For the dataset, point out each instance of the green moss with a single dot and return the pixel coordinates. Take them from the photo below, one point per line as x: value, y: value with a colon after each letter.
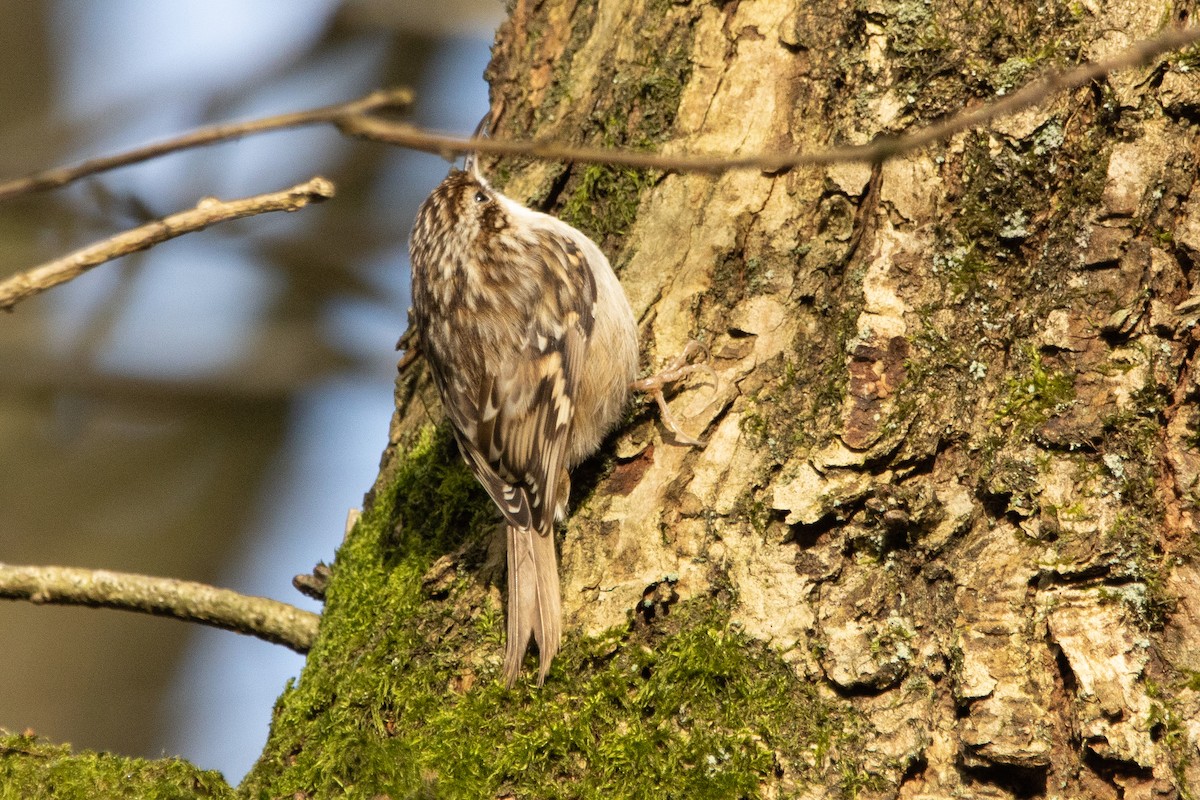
x: 1186, y: 60
x: 965, y: 269
x: 646, y: 91
x: 1002, y: 225
x: 635, y: 109
x: 605, y: 200
x: 330, y: 731
x: 1131, y: 459
x: 1006, y: 258
x: 755, y: 427
x: 1030, y: 398
x: 1034, y: 395
x: 753, y: 511
x: 32, y: 769
x: 558, y: 91
x: 800, y: 393
x: 781, y: 417
x: 435, y: 501
x: 404, y: 698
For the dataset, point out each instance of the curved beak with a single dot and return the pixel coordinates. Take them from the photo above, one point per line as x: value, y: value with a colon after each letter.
x: 482, y: 130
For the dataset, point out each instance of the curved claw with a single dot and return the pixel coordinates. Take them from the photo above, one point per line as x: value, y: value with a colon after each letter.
x: 672, y: 424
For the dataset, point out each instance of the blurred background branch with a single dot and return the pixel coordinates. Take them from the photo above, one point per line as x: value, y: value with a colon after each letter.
x: 269, y: 620
x: 384, y: 99
x: 207, y: 212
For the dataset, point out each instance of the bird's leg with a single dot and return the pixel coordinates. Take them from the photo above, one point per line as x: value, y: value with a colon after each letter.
x: 677, y: 370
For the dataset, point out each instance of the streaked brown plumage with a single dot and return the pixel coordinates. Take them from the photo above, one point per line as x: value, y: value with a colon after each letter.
x: 533, y: 347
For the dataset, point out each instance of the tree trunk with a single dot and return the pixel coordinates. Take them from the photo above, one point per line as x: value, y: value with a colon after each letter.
x: 942, y: 539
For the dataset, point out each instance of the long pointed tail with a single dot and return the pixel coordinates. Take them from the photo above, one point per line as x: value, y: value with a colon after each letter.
x: 534, y: 601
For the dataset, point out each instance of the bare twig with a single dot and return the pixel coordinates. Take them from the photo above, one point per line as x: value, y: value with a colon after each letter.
x: 207, y: 212
x: 393, y: 99
x: 353, y: 118
x: 270, y: 620
x: 1033, y: 94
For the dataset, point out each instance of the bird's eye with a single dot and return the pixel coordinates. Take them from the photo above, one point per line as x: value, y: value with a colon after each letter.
x: 480, y: 197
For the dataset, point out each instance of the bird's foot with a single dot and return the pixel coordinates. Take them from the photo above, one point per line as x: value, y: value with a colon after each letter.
x: 676, y: 371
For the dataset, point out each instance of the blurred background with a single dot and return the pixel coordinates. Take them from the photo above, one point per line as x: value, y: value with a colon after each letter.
x: 210, y: 409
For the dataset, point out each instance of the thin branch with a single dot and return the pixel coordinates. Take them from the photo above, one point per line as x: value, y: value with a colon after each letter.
x: 270, y: 620
x: 207, y: 212
x: 353, y: 118
x: 391, y: 99
x: 881, y: 149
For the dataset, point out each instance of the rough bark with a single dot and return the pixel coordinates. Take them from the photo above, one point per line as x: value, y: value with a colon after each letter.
x: 951, y: 467
x: 941, y: 542
x: 942, y: 539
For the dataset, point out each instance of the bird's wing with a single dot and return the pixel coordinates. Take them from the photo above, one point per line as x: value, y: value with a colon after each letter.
x: 514, y: 425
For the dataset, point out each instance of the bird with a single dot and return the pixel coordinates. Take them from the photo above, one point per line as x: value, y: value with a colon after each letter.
x: 533, y: 348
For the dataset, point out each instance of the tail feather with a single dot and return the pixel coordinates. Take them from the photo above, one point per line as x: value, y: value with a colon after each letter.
x: 534, y: 601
